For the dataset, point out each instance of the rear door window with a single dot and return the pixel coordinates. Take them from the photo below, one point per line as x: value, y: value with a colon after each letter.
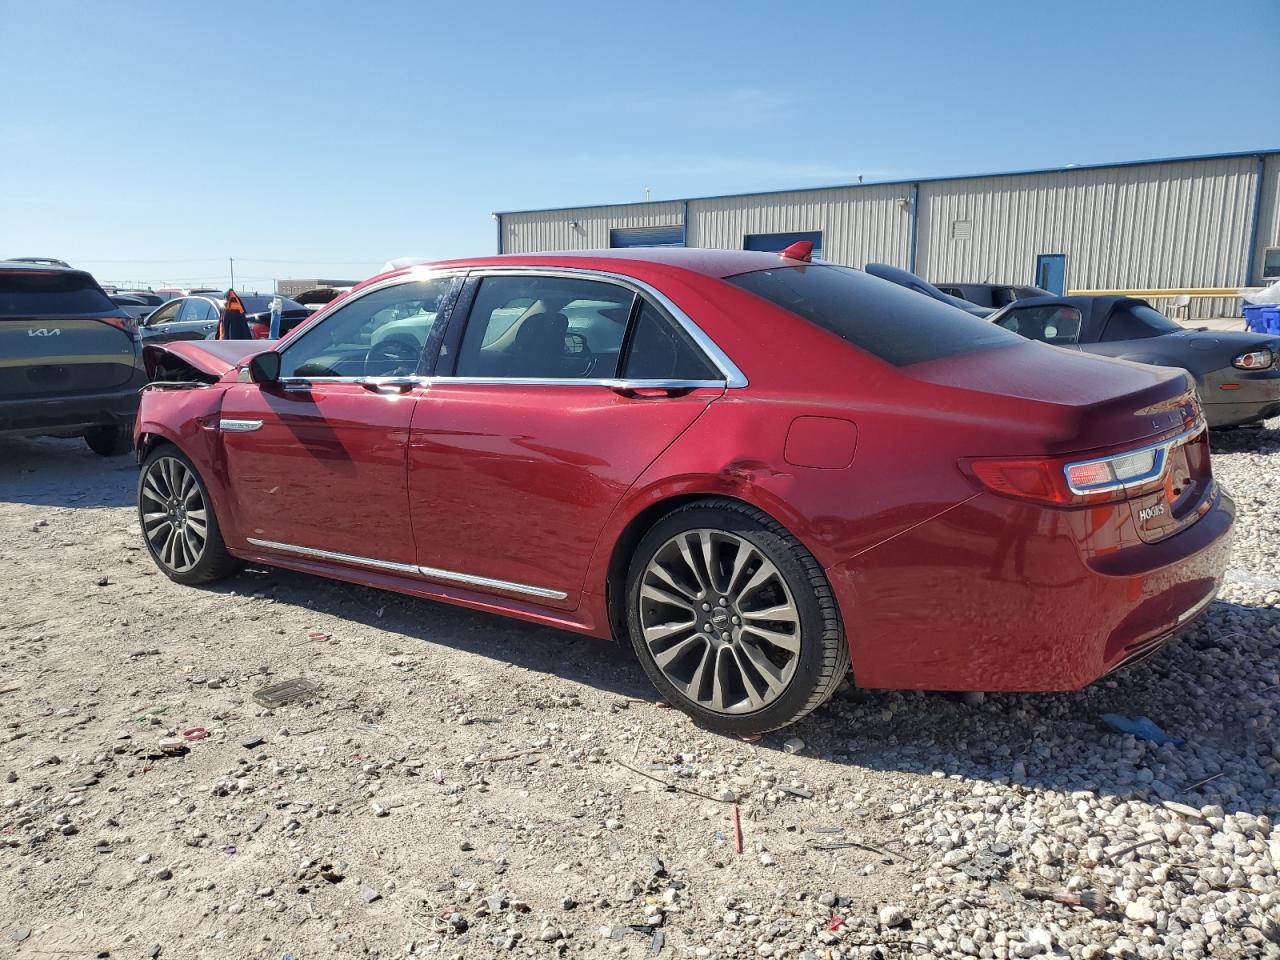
x: 545, y: 328
x: 51, y: 295
x: 1058, y: 325
x: 886, y: 320
x: 197, y: 310
x: 661, y: 350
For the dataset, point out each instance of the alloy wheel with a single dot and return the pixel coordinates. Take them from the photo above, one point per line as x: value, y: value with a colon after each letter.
x: 720, y: 621
x: 175, y: 517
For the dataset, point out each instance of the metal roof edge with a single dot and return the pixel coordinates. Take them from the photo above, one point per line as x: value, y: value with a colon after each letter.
x: 907, y: 181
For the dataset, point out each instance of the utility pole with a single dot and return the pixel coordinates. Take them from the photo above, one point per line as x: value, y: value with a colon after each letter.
x: 232, y: 261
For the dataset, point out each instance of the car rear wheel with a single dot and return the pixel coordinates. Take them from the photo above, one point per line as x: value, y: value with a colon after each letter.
x: 733, y: 619
x: 108, y: 441
x: 178, y: 523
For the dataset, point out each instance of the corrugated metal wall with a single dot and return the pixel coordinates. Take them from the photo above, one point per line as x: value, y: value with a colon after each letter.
x: 551, y: 230
x: 1268, y: 215
x: 1167, y: 225
x: 858, y: 224
x: 1179, y: 224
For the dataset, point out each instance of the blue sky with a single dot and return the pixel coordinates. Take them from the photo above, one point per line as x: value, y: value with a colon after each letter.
x: 151, y: 141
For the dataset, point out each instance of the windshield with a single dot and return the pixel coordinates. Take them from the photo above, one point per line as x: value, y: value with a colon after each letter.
x: 60, y: 294
x: 889, y: 321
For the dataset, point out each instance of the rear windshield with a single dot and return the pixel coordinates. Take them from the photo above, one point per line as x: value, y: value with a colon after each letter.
x: 891, y: 322
x: 51, y: 294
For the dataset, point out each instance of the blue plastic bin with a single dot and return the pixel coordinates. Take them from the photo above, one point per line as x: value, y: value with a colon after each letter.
x: 1253, y: 317
x: 1272, y: 316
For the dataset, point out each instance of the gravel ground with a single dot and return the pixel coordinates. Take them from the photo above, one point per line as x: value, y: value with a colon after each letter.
x: 464, y: 786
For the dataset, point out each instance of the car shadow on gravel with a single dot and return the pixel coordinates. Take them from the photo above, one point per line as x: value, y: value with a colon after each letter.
x: 1246, y: 440
x: 64, y: 473
x: 586, y: 660
x: 1217, y: 687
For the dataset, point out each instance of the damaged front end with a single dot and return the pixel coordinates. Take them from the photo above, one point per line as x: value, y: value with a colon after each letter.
x: 184, y: 363
x: 181, y: 403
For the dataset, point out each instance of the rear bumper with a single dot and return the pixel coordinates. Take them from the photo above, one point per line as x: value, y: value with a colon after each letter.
x: 995, y: 595
x: 1252, y: 396
x: 69, y: 415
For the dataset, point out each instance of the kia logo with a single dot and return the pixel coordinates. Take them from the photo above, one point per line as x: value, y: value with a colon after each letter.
x: 44, y: 333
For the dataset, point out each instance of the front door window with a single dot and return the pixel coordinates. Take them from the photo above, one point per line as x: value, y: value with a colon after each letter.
x: 381, y: 334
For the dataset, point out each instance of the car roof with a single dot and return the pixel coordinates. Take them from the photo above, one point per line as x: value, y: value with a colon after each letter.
x: 29, y: 266
x: 711, y: 263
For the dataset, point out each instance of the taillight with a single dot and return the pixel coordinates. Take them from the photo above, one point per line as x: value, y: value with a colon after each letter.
x: 127, y: 325
x: 1253, y: 360
x: 1069, y: 481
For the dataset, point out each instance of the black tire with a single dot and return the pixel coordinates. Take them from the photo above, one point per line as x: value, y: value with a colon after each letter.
x: 823, y: 657
x: 214, y: 562
x: 108, y: 441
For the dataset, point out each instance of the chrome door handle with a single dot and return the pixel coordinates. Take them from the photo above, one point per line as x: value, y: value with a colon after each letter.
x: 388, y: 384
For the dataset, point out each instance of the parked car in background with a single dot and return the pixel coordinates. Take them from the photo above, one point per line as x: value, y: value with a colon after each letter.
x: 1236, y: 374
x: 757, y: 469
x: 137, y: 305
x: 318, y: 297
x: 70, y: 361
x: 196, y: 317
x: 905, y: 278
x: 995, y: 295
x: 39, y: 261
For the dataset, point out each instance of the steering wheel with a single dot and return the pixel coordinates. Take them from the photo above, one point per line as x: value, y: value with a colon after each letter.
x: 392, y: 357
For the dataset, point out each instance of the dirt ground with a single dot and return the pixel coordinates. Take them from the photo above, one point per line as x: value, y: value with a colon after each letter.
x: 460, y: 785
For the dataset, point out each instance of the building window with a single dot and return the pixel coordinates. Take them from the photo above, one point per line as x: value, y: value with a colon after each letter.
x: 1271, y: 263
x: 672, y: 236
x: 961, y: 229
x: 777, y: 242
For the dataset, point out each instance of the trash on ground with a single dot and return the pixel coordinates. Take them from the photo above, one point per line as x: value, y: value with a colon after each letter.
x: 1144, y: 728
x: 285, y: 692
x: 1087, y: 899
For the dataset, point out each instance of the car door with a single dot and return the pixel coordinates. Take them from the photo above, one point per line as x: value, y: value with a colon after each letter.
x: 316, y: 461
x: 197, y: 319
x: 157, y: 326
x: 561, y: 388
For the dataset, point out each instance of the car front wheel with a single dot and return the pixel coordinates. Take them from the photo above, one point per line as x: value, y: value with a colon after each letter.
x: 733, y: 619
x: 178, y: 523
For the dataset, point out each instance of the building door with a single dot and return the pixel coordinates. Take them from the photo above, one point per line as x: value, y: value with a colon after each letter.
x: 1051, y: 272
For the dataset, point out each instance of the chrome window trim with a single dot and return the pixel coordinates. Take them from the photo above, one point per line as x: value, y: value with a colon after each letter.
x: 415, y: 275
x: 1158, y: 466
x: 734, y: 378
x: 301, y: 383
x: 431, y: 573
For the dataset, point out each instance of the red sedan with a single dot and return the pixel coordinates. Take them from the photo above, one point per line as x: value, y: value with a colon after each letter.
x: 761, y: 471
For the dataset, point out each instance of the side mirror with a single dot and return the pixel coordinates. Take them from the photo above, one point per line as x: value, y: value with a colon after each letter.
x: 265, y: 368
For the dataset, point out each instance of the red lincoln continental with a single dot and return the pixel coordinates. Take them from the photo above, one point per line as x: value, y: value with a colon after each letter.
x: 764, y: 473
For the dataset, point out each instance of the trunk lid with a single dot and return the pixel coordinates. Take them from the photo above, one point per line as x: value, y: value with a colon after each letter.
x: 60, y: 334
x: 1076, y: 401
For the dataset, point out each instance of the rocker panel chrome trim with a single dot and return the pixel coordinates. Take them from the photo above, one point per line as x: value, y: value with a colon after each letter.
x: 430, y: 573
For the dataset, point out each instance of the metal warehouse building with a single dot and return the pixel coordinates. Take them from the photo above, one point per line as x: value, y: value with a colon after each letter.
x: 1191, y: 227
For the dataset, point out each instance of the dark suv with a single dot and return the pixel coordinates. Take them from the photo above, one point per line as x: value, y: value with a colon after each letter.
x: 70, y: 359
